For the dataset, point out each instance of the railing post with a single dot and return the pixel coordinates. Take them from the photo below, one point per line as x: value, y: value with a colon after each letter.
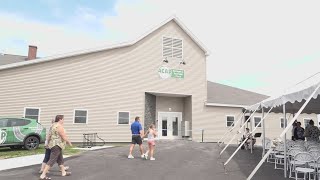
x: 202, y: 131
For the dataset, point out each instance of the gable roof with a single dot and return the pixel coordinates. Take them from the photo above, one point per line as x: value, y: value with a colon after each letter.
x: 121, y: 45
x: 223, y: 95
x: 10, y: 58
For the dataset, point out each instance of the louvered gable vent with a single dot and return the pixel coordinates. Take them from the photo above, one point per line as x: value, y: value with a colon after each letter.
x: 172, y: 47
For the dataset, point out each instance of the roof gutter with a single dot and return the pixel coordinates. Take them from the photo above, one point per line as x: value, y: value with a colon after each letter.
x: 226, y: 105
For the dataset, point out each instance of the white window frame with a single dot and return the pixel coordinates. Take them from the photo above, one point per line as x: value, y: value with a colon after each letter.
x: 254, y: 121
x: 25, y: 109
x: 118, y: 118
x: 74, y: 116
x: 304, y: 121
x: 234, y: 119
x: 173, y: 37
x: 284, y: 123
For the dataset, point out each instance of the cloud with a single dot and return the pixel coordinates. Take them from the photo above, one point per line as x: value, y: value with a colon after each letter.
x: 271, y: 45
x: 50, y: 38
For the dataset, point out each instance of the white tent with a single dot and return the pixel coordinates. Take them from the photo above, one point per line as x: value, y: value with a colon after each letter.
x: 294, y: 97
x: 301, y: 98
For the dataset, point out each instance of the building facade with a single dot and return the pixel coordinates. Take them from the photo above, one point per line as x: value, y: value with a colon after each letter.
x: 160, y: 77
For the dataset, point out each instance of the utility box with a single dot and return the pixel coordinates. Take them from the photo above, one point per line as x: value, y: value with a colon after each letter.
x: 186, y: 125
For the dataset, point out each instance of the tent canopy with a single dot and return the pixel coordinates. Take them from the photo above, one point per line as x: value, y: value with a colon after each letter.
x: 295, y: 97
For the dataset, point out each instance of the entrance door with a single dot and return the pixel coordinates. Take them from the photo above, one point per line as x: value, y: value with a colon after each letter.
x: 169, y: 125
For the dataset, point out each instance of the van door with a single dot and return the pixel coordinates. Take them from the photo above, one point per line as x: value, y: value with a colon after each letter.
x: 19, y: 130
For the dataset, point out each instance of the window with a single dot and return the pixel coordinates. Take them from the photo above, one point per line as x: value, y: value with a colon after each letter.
x: 230, y: 120
x: 172, y: 47
x: 32, y: 113
x: 123, y: 117
x: 256, y: 121
x: 3, y: 123
x: 80, y: 116
x: 306, y: 121
x: 282, y: 123
x: 17, y: 122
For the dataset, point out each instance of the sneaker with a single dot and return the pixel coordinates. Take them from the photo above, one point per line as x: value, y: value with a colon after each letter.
x: 143, y: 156
x: 146, y: 156
x: 130, y: 157
x: 152, y: 159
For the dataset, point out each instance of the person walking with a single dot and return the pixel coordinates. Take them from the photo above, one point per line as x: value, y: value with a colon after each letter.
x: 137, y: 134
x: 57, y: 143
x: 152, y: 134
x: 48, y: 150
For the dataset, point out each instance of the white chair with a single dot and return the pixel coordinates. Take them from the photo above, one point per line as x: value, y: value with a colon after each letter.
x: 313, y: 148
x: 305, y: 158
x: 316, y: 156
x: 272, y: 153
x: 299, y: 146
x: 310, y: 143
x: 290, y: 143
x: 292, y: 162
x: 279, y: 157
x: 317, y: 167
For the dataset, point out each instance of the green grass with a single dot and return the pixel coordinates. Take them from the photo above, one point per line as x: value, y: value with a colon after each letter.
x: 6, y: 152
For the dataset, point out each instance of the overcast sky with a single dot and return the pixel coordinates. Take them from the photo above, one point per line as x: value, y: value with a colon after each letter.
x: 261, y: 46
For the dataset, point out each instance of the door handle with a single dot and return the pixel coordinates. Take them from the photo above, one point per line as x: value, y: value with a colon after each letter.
x: 25, y: 128
x: 4, y: 129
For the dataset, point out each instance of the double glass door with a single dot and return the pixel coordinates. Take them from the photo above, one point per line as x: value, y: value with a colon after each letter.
x: 169, y: 125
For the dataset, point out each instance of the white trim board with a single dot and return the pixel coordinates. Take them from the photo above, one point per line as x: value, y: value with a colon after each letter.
x: 226, y: 105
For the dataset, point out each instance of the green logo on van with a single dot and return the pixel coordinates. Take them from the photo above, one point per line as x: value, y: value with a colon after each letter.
x: 3, y: 136
x: 165, y: 73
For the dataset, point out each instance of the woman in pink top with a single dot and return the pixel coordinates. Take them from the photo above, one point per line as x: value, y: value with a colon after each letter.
x: 152, y: 133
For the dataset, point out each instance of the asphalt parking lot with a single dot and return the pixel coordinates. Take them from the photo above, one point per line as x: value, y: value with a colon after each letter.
x: 175, y: 160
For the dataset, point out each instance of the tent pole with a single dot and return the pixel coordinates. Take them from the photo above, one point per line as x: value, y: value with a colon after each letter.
x: 238, y: 131
x: 233, y: 125
x: 263, y: 134
x: 284, y: 131
x: 247, y: 138
x: 285, y: 141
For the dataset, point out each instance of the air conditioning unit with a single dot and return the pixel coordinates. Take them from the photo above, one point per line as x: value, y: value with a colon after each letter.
x: 186, y: 129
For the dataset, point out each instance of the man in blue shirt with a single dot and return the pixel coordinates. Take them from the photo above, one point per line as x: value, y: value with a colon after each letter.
x: 137, y: 134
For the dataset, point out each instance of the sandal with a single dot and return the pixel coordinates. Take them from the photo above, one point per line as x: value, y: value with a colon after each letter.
x: 67, y: 174
x: 66, y: 168
x: 44, y: 178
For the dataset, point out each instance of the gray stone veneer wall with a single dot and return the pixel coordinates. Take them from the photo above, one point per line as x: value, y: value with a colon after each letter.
x: 150, y: 110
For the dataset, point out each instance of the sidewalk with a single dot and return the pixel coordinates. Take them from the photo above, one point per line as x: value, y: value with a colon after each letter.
x: 34, y: 159
x: 21, y: 162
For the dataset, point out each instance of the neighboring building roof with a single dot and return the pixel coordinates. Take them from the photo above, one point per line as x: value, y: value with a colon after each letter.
x: 9, y: 59
x: 223, y: 95
x: 77, y: 53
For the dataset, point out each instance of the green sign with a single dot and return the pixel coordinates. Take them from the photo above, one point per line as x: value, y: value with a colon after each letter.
x: 165, y: 72
x: 177, y: 73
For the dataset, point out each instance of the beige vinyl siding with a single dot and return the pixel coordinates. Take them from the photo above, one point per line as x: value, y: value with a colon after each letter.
x: 164, y: 103
x: 104, y: 83
x: 216, y: 124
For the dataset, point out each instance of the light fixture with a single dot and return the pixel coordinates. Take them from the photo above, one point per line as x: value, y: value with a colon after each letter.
x: 165, y: 60
x: 182, y: 62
